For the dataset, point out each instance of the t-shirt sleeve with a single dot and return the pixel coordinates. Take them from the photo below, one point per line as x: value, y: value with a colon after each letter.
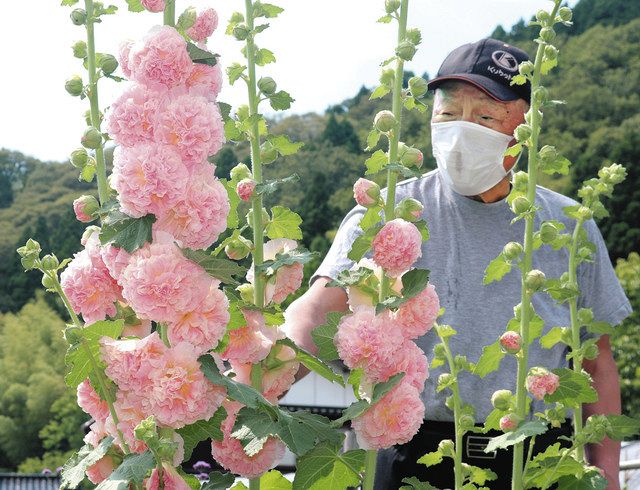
x: 336, y: 259
x: 599, y: 286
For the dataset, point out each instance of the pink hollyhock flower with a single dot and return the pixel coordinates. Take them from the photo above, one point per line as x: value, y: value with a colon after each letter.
x: 90, y: 401
x: 90, y: 288
x: 153, y: 5
x: 357, y: 297
x: 101, y: 470
x: 511, y: 342
x: 205, y: 81
x: 176, y: 391
x: 287, y: 279
x: 367, y: 341
x: 193, y: 125
x: 130, y: 413
x: 276, y: 381
x: 408, y: 359
x: 417, y: 316
x: 230, y: 453
x: 395, y: 419
x: 509, y: 422
x: 397, y: 246
x: 161, y: 284
x: 204, y: 25
x: 205, y: 324
x: 131, y: 118
x: 252, y: 342
x: 140, y: 330
x: 115, y: 259
x: 160, y: 60
x: 541, y: 382
x: 84, y: 208
x: 149, y: 179
x: 97, y: 432
x: 245, y: 189
x: 171, y: 479
x: 366, y: 193
x: 200, y: 216
x: 123, y: 57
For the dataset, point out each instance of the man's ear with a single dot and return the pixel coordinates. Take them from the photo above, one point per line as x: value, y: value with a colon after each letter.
x: 509, y: 162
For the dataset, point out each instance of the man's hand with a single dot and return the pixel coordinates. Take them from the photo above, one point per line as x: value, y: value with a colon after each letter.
x: 604, y: 372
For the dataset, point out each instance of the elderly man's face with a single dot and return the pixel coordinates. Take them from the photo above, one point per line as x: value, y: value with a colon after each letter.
x: 461, y: 101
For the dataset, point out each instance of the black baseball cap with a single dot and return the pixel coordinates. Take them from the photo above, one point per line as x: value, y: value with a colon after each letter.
x: 488, y: 64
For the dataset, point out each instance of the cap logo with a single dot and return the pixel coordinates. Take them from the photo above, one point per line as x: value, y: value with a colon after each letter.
x: 505, y: 60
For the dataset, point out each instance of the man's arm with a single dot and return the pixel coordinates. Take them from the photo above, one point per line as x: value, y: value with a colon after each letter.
x: 604, y: 372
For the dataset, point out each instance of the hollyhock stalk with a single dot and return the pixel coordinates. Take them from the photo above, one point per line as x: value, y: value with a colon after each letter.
x: 170, y: 13
x: 526, y: 309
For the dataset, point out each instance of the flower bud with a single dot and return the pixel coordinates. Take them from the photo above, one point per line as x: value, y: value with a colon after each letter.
x: 541, y: 382
x: 88, y: 231
x: 501, y: 399
x: 409, y: 209
x: 446, y: 447
x: 47, y: 282
x: 466, y: 422
x: 73, y: 335
x: 526, y: 68
x: 445, y: 379
x: 550, y: 52
x: 543, y: 16
x: 541, y: 95
x: 591, y: 351
x: 585, y: 316
x: 50, y: 262
x: 523, y: 132
x: 187, y: 19
x: 146, y: 430
x: 414, y: 36
x: 387, y: 77
x: 92, y: 138
x: 79, y: 49
x: 584, y: 213
x: 108, y: 64
x: 366, y: 193
x: 246, y: 292
x: 512, y: 250
x: 74, y: 85
x: 439, y: 351
x: 411, y: 157
x: 31, y: 247
x: 241, y: 32
x: 238, y: 249
x: 245, y: 189
x: 520, y: 181
x: 535, y: 280
x: 87, y: 117
x: 548, y: 232
x: 565, y: 14
x: 78, y: 16
x: 547, y: 34
x: 548, y: 153
x: 265, y: 217
x: 78, y: 158
x: 511, y: 342
x: 520, y: 205
x: 448, y: 402
x: 85, y: 208
x: 267, y: 85
x: 406, y: 50
x: 384, y: 121
x: 391, y: 6
x: 509, y: 422
x: 418, y: 86
x: 239, y: 172
x: 268, y: 153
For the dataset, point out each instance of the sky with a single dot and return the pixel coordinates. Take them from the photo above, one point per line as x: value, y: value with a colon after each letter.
x: 324, y: 55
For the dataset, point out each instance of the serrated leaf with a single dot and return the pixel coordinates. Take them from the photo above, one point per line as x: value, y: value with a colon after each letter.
x: 74, y: 469
x: 284, y: 224
x: 235, y: 71
x: 492, y: 422
x: 385, y: 19
x: 313, y: 363
x: 600, y: 328
x: 379, y: 92
x: 551, y: 338
x: 423, y: 229
x: 325, y: 467
x: 296, y: 256
x: 414, y: 484
x: 274, y: 480
x: 431, y: 459
x: 201, y: 431
x: 518, y: 80
x: 232, y: 132
x: 69, y: 3
x: 371, y: 218
x: 526, y: 430
x: 362, y: 244
x: 591, y: 480
x: 513, y: 151
x: 222, y: 269
x: 126, y: 232
x: 284, y: 145
x: 496, y: 270
x: 202, y: 56
x: 234, y: 201
x: 372, y: 139
x: 267, y: 10
x: 574, y: 389
x: 622, y: 427
x: 559, y: 166
x: 263, y: 57
x: 134, y: 468
x: 270, y: 186
x: 548, y: 65
x: 413, y: 283
x: 323, y: 336
x: 480, y: 476
x: 376, y: 162
x: 489, y: 360
x: 547, y: 467
x: 281, y: 101
x: 406, y: 172
x: 219, y: 481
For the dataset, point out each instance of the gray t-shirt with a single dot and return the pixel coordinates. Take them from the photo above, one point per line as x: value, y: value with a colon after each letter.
x: 465, y: 236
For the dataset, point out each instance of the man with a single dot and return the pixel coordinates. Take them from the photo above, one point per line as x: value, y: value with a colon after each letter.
x: 475, y: 113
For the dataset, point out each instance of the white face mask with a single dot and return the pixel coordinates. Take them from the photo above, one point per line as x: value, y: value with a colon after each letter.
x: 469, y: 156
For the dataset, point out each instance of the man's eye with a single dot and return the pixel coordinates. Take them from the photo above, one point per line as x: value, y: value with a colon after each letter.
x: 446, y: 114
x: 487, y: 118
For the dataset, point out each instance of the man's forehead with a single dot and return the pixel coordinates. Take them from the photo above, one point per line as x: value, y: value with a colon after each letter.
x: 458, y: 88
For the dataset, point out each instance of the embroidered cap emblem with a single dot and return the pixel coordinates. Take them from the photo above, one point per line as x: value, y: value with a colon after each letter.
x: 505, y: 60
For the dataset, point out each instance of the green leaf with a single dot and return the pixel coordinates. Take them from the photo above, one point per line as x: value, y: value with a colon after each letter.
x: 479, y: 476
x: 74, y: 469
x: 234, y: 201
x: 362, y: 244
x: 493, y: 420
x: 281, y: 101
x: 385, y: 19
x: 551, y: 338
x: 547, y: 65
x: 312, y: 363
x: 406, y: 172
x: 431, y: 459
x: 600, y: 328
x: 413, y: 283
x: 575, y: 389
x: 547, y: 467
x: 274, y: 480
x: 423, y: 229
x: 134, y: 468
x: 284, y: 224
x: 219, y: 481
x: 235, y: 71
x: 324, y: 467
x: 376, y: 162
x: 622, y: 427
x: 591, y: 480
x: 270, y: 186
x: 371, y: 217
x: 489, y: 360
x: 560, y: 290
x: 414, y: 484
x: 202, y: 56
x: 267, y: 10
x: 69, y: 3
x: 519, y: 80
x: 232, y: 132
x: 379, y: 92
x: 222, y: 269
x: 201, y: 431
x: 496, y: 270
x: 372, y: 139
x: 528, y: 429
x: 264, y: 57
x: 513, y: 151
x: 296, y: 256
x: 126, y: 232
x: 323, y: 336
x: 559, y: 166
x: 284, y: 145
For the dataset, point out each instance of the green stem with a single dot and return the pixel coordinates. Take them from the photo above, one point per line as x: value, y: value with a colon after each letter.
x: 369, y: 469
x: 575, y: 331
x: 92, y: 93
x: 526, y: 307
x: 396, y: 107
x: 169, y: 13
